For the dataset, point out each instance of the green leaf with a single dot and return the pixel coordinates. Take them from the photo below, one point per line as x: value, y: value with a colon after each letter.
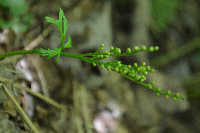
x: 68, y: 44
x: 65, y: 25
x: 61, y: 14
x: 57, y: 51
x: 62, y: 20
x: 62, y: 40
x: 50, y: 20
x: 49, y: 53
x: 53, y: 53
x: 59, y: 25
x: 58, y: 58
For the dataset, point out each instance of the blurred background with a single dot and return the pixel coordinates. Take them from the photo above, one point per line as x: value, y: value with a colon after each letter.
x: 97, y: 100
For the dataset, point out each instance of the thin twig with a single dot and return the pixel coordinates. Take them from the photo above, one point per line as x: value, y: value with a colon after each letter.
x: 19, y: 109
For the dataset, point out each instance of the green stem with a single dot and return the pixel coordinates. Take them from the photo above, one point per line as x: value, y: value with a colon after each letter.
x: 17, y: 53
x: 154, y: 89
x: 72, y: 55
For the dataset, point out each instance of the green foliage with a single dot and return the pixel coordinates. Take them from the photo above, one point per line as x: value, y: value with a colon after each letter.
x: 163, y: 11
x: 16, y: 11
x: 134, y: 73
x: 62, y: 21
